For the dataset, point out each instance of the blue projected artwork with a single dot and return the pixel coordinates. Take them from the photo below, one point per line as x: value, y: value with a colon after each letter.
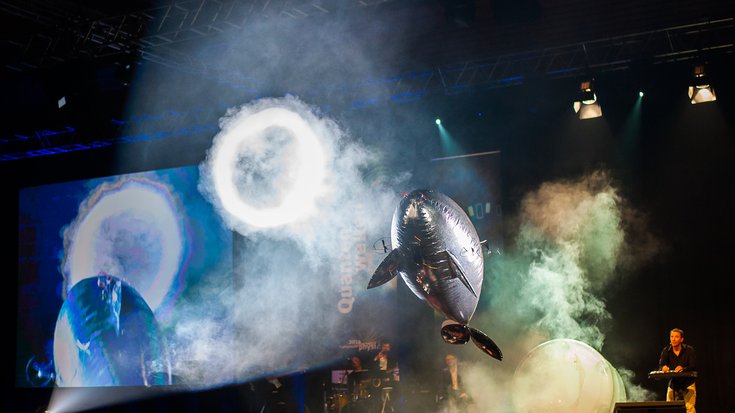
x: 103, y: 266
x: 107, y: 335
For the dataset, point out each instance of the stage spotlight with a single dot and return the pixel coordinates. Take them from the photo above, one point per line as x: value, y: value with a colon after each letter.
x: 700, y: 90
x: 640, y: 94
x: 438, y: 121
x: 587, y: 106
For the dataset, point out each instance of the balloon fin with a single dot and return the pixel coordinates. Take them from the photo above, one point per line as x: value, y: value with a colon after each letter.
x: 387, y: 270
x: 486, y: 344
x: 458, y: 272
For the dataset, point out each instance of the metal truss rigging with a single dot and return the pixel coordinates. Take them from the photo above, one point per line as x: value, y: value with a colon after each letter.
x: 61, y: 35
x: 693, y: 41
x: 153, y: 35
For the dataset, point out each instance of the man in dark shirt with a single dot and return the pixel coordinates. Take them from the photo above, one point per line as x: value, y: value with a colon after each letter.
x: 680, y: 357
x: 385, y: 383
x: 451, y: 396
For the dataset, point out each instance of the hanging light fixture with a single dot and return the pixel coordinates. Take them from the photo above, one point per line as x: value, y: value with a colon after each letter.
x: 587, y: 106
x: 700, y: 90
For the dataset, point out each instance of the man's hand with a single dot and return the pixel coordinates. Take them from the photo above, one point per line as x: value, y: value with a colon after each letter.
x: 679, y: 369
x: 665, y: 368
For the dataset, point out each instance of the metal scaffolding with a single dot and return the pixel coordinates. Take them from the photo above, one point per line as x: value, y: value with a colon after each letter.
x: 61, y: 35
x: 674, y: 44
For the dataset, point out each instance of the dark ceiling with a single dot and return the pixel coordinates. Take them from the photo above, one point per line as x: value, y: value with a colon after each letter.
x: 92, y: 46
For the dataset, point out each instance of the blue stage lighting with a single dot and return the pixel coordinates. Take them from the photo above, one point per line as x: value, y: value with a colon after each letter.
x: 438, y: 121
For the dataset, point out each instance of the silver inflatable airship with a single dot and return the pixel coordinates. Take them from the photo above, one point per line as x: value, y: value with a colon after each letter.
x: 438, y: 254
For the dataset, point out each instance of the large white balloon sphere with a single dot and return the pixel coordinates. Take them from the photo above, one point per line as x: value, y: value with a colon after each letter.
x: 566, y: 376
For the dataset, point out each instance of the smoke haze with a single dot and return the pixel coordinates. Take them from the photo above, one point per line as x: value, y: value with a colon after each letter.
x: 273, y: 313
x: 276, y: 313
x: 571, y: 238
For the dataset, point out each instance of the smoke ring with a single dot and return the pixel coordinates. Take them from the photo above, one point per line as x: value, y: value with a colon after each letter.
x: 311, y: 166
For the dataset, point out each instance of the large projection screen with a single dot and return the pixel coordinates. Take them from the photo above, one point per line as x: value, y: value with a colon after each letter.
x: 105, y: 266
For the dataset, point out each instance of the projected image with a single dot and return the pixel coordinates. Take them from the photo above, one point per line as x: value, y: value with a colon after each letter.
x: 106, y: 334
x: 105, y: 266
